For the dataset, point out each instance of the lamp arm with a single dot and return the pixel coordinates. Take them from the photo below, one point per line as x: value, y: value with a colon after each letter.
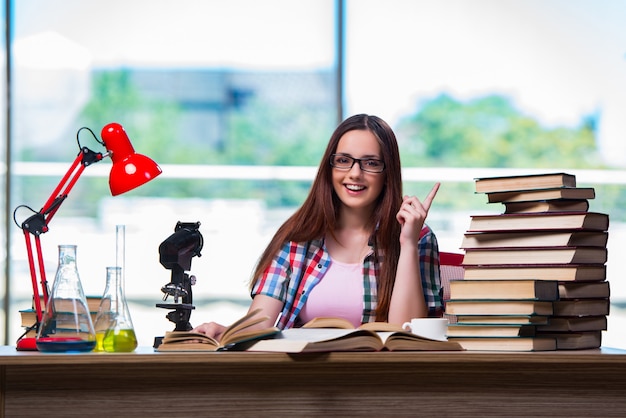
x: 37, y: 224
x: 84, y: 158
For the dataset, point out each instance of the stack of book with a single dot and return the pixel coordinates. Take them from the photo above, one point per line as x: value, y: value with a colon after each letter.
x: 534, y: 275
x: 29, y: 316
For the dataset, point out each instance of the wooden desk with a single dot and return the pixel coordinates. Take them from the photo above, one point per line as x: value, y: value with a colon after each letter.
x: 144, y: 383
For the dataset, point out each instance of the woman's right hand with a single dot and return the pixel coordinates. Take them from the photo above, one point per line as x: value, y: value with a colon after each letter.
x: 412, y: 216
x: 212, y: 329
x: 268, y: 305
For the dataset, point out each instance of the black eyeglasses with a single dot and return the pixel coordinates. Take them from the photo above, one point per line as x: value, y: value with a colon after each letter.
x: 344, y: 162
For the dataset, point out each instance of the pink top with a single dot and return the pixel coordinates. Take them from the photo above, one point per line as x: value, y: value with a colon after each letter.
x: 338, y: 294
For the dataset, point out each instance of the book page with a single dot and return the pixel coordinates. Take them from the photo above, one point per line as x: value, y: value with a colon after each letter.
x: 335, y: 322
x: 382, y: 326
x: 250, y: 319
x: 172, y: 337
x: 407, y: 341
x: 296, y: 340
x: 329, y: 322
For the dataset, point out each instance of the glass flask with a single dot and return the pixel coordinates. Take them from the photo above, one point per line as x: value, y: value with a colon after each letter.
x: 66, y: 324
x: 113, y: 325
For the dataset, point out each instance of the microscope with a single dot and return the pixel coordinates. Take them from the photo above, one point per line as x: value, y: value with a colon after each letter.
x: 175, y: 253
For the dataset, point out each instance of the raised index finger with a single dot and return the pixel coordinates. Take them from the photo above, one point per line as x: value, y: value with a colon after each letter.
x: 429, y: 199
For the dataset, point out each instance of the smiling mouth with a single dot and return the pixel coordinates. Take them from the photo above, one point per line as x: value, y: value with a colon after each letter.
x: 354, y: 187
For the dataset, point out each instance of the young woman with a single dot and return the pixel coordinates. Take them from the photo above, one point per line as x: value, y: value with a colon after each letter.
x: 356, y: 248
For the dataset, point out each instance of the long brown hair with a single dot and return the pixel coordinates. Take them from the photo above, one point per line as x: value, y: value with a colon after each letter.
x: 318, y: 214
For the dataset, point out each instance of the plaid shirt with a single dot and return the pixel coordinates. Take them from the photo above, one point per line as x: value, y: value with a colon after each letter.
x: 298, y: 267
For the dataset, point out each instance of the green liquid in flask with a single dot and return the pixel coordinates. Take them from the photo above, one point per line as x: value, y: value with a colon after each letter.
x: 118, y: 341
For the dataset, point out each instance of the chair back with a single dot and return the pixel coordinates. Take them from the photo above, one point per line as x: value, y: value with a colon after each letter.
x: 450, y: 268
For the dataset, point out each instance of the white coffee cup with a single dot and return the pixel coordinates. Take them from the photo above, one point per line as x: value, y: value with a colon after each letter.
x: 433, y: 328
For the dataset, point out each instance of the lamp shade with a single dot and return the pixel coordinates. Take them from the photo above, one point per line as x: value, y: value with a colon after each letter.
x: 130, y: 169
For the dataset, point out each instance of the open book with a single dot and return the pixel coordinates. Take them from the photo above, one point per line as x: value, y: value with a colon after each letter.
x: 335, y: 334
x: 235, y: 334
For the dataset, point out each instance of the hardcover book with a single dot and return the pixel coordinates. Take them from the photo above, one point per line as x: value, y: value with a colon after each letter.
x: 504, y: 289
x: 502, y: 319
x: 544, y: 255
x: 93, y: 302
x: 553, y: 205
x: 582, y: 290
x: 581, y: 307
x: 467, y: 330
x: 576, y: 341
x: 506, y: 343
x: 524, y: 182
x: 574, y: 324
x: 498, y: 307
x: 592, y: 221
x: 559, y: 272
x: 515, y: 239
x: 542, y: 194
x: 29, y: 317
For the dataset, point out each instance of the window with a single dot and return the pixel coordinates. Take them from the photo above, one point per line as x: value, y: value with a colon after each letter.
x: 236, y: 101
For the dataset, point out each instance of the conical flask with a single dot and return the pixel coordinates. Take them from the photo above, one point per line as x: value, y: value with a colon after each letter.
x: 66, y: 324
x: 114, y: 328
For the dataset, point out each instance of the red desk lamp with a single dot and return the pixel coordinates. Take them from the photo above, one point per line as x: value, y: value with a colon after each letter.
x: 130, y: 170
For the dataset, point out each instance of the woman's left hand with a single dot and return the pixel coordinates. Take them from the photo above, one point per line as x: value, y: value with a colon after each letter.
x: 412, y: 215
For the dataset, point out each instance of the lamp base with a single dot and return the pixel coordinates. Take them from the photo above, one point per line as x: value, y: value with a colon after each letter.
x: 27, y: 344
